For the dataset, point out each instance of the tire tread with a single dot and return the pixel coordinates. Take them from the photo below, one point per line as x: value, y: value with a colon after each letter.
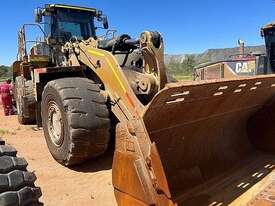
x: 17, y: 185
x: 89, y: 123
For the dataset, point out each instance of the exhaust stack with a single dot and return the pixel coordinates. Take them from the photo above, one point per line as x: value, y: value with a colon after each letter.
x: 241, y: 48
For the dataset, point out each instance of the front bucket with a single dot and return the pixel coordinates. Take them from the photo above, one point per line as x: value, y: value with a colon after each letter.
x: 204, y: 129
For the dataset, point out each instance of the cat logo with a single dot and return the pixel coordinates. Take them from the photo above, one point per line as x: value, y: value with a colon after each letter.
x: 242, y: 67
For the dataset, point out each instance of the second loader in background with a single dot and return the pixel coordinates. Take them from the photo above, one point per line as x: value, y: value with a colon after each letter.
x: 242, y: 64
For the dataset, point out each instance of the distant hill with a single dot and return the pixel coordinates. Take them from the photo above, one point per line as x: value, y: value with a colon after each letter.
x: 212, y: 55
x: 181, y: 66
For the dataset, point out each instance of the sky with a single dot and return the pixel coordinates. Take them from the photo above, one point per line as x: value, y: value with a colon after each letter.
x: 187, y: 26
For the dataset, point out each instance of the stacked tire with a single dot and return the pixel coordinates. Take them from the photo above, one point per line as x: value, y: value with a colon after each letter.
x: 17, y: 186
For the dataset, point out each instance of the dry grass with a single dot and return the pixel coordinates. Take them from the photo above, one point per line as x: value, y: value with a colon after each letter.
x: 4, y: 132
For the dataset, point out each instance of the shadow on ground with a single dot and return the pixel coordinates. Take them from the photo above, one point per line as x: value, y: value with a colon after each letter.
x: 103, y: 162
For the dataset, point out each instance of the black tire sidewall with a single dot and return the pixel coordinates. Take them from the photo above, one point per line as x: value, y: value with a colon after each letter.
x: 59, y: 153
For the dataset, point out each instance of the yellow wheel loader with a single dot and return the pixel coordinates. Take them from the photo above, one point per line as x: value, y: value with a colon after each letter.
x: 195, y: 143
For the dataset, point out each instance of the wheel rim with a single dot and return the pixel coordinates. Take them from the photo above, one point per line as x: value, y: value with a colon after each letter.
x: 55, y: 124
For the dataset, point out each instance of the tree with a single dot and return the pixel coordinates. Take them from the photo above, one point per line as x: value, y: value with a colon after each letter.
x: 183, y: 68
x: 5, y: 71
x: 188, y: 64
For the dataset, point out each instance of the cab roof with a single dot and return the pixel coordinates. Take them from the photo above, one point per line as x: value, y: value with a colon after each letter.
x: 64, y: 6
x: 268, y: 26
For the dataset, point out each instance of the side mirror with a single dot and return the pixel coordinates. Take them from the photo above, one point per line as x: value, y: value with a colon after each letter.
x: 38, y: 15
x: 51, y: 41
x: 102, y: 18
x: 105, y: 22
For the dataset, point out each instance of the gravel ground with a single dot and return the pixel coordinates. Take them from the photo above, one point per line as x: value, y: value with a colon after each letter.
x: 88, y: 184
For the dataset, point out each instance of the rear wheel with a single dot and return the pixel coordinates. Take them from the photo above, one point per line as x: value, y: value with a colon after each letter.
x: 75, y: 120
x: 25, y: 101
x: 16, y: 183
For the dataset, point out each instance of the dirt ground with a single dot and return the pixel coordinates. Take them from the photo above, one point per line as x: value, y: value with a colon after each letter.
x: 88, y: 184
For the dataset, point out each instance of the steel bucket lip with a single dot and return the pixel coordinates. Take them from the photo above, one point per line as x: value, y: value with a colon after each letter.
x: 213, y: 81
x: 192, y: 84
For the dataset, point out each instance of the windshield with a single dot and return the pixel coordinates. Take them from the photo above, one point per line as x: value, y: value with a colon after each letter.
x: 68, y: 24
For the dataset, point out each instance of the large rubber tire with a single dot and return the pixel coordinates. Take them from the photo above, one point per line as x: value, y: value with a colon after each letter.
x: 25, y: 101
x: 84, y: 126
x: 17, y: 186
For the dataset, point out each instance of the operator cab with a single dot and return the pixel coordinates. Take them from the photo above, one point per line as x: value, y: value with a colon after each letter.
x: 63, y: 22
x: 268, y: 32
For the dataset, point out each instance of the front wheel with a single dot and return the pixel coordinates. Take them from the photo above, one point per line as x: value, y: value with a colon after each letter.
x: 75, y: 120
